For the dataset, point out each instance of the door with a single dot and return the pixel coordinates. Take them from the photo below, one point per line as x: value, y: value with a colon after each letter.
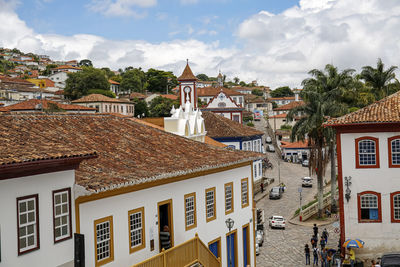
x: 231, y: 249
x: 215, y: 247
x: 246, y: 246
x: 165, y: 218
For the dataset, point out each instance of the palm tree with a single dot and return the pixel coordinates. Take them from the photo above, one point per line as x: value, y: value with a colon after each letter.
x: 379, y: 79
x: 321, y: 94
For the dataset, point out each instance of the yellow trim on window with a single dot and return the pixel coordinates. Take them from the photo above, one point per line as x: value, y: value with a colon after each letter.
x: 215, y: 209
x: 143, y: 245
x: 233, y: 207
x: 244, y: 205
x: 111, y: 258
x: 194, y: 225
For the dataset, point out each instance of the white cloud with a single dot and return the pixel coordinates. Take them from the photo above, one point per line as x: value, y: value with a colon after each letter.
x: 276, y: 49
x: 187, y: 2
x: 121, y: 7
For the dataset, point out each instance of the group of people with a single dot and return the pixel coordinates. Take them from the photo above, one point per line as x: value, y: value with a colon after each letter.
x: 323, y: 254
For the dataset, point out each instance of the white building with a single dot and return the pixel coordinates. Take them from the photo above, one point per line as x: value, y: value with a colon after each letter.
x: 368, y: 151
x: 59, y: 79
x: 104, y: 104
x: 36, y: 192
x: 142, y: 179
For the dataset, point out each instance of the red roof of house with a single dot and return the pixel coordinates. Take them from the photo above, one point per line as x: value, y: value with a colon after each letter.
x: 290, y: 105
x: 63, y: 67
x: 282, y: 98
x: 32, y: 103
x: 213, y: 91
x: 169, y: 96
x: 299, y: 144
x: 113, y: 82
x: 99, y: 98
x: 283, y: 115
x: 137, y: 95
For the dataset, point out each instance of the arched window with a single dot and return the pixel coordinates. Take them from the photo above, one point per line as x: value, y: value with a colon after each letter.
x: 395, y: 206
x: 369, y: 207
x: 394, y: 151
x: 367, y: 152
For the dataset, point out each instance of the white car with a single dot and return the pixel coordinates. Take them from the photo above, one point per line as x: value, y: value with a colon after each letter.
x: 260, y: 237
x: 257, y: 249
x: 268, y: 140
x: 306, y: 182
x: 271, y: 148
x: 277, y: 222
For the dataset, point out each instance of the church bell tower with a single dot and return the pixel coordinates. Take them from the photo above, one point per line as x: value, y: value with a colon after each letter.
x: 187, y: 87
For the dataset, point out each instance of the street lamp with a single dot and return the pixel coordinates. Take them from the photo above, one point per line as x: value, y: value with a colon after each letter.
x: 229, y: 223
x: 347, y: 183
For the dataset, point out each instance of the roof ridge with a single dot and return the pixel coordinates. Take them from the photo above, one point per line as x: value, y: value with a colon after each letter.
x: 187, y: 74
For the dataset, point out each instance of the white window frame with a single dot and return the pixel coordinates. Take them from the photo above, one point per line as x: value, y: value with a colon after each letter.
x: 366, y: 162
x: 31, y: 228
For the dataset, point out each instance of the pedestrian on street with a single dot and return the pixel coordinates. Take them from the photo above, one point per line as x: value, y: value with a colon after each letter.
x: 315, y: 255
x: 307, y: 252
x: 315, y: 228
x: 322, y: 243
x: 325, y: 235
x: 324, y: 256
x: 262, y: 187
x: 352, y: 257
x: 314, y: 241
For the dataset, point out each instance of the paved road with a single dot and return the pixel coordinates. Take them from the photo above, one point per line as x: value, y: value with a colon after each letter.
x: 286, y: 247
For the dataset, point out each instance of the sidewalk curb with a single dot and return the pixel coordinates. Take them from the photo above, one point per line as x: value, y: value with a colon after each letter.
x: 310, y: 224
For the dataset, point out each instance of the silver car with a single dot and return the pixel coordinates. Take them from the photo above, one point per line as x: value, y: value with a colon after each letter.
x: 259, y: 237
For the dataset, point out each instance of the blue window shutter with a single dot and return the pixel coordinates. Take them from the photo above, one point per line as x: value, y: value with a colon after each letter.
x: 373, y: 214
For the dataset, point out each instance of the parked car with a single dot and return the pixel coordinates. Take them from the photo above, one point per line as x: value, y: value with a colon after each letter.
x: 271, y: 148
x: 257, y: 116
x: 305, y: 163
x: 277, y: 222
x: 268, y: 140
x: 260, y: 237
x: 275, y: 193
x: 306, y: 182
x: 390, y: 259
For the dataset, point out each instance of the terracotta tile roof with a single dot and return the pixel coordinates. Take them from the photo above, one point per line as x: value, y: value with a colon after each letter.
x: 187, y: 74
x: 213, y: 91
x: 212, y: 142
x: 249, y: 98
x: 386, y: 110
x: 59, y: 92
x: 218, y: 126
x: 113, y: 82
x: 283, y: 115
x: 172, y: 97
x: 129, y: 152
x: 49, y: 83
x: 281, y: 98
x: 137, y: 95
x: 16, y: 81
x: 299, y: 144
x: 30, y: 105
x: 63, y: 67
x: 290, y: 105
x: 99, y: 98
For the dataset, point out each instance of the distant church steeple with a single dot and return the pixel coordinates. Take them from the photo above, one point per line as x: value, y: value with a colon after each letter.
x: 220, y: 80
x: 187, y: 87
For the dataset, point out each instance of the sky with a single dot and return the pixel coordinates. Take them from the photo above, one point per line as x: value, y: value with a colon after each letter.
x: 275, y: 42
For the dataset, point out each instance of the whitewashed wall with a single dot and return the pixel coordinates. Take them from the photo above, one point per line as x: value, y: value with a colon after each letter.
x: 49, y: 254
x: 378, y: 237
x: 118, y: 207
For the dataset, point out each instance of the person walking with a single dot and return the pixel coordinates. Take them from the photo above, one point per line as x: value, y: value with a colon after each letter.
x: 307, y: 253
x: 325, y: 235
x: 322, y: 243
x: 314, y: 241
x: 324, y: 256
x: 165, y: 238
x: 315, y: 256
x: 315, y: 229
x: 352, y: 257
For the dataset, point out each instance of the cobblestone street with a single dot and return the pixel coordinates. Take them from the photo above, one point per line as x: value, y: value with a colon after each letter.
x: 286, y: 247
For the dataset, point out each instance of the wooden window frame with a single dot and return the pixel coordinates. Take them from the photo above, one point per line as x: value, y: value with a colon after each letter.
x: 244, y: 205
x: 393, y: 220
x: 218, y: 239
x: 68, y: 190
x: 232, y: 204
x: 143, y: 245
x: 194, y: 225
x: 111, y: 258
x: 209, y: 219
x: 357, y: 141
x: 390, y: 139
x: 359, y: 195
x: 36, y: 197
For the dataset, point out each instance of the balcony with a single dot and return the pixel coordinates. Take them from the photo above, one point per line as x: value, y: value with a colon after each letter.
x: 190, y: 253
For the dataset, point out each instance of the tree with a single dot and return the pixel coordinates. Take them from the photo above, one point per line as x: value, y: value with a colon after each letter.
x: 79, y: 83
x: 47, y: 71
x: 85, y: 62
x: 257, y: 92
x: 282, y: 92
x: 236, y: 80
x: 140, y: 108
x: 378, y: 78
x: 161, y: 107
x: 159, y: 80
x: 202, y: 77
x: 108, y: 73
x: 242, y: 83
x: 133, y: 80
x: 320, y: 95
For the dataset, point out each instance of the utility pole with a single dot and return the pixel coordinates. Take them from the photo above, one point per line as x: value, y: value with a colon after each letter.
x: 279, y: 170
